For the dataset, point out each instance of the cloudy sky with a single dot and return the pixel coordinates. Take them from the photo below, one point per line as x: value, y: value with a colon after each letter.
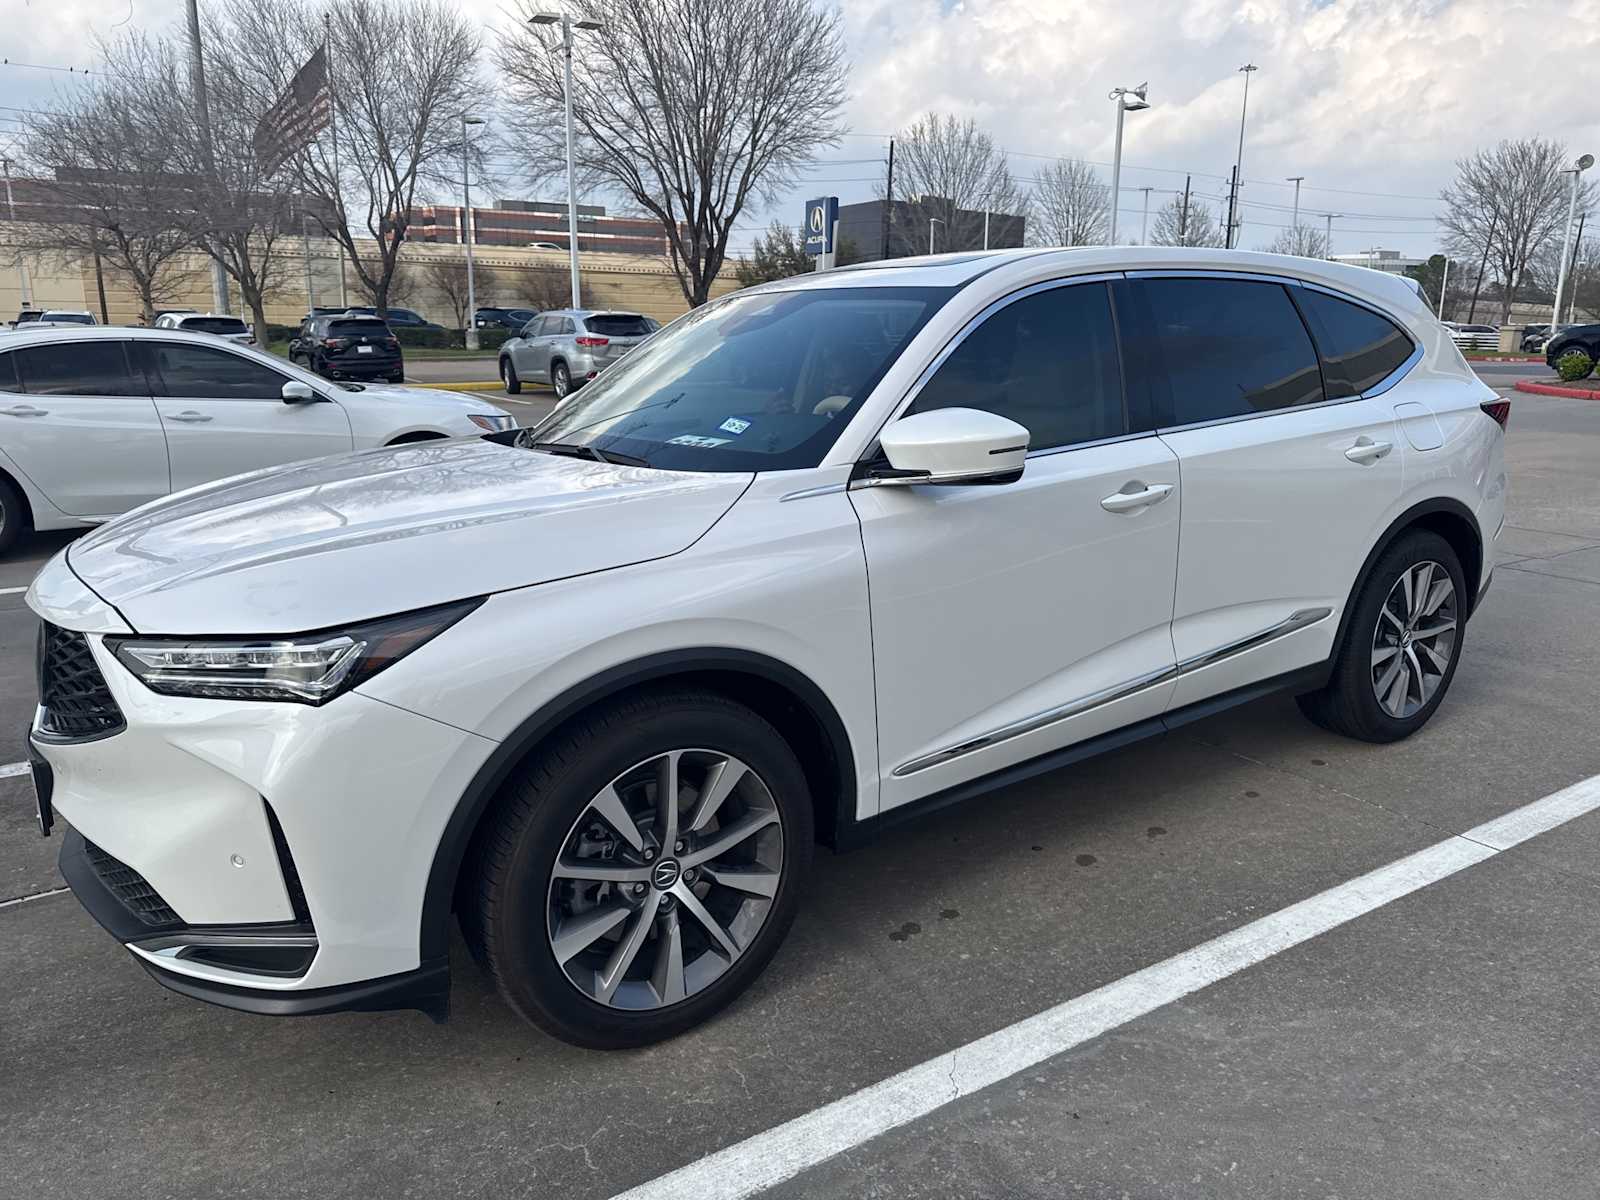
x: 1370, y: 100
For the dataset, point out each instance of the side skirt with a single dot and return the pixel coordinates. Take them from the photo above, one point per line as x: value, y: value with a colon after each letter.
x: 1303, y: 679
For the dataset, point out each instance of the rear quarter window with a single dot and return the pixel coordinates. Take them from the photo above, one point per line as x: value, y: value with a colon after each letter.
x: 1360, y: 348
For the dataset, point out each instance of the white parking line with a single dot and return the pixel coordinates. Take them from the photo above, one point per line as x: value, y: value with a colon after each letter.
x: 7, y: 770
x: 769, y: 1158
x: 12, y: 591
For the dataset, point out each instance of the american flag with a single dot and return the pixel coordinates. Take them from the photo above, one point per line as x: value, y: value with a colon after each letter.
x: 301, y: 113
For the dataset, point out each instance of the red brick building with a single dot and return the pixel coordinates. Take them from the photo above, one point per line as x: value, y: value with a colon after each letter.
x: 524, y: 222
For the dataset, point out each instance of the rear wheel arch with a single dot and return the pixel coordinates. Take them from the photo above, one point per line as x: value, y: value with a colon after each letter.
x: 779, y: 693
x: 1451, y: 520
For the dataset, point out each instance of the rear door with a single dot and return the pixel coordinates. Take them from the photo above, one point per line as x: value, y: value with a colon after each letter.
x: 79, y: 422
x: 224, y: 414
x: 1286, y: 487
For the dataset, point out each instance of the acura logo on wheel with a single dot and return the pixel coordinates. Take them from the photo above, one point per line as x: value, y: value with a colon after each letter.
x: 665, y: 874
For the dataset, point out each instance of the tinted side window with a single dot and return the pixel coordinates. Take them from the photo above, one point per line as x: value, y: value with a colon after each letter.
x: 77, y: 369
x: 1230, y: 347
x: 1359, y: 347
x: 1048, y: 361
x: 202, y: 373
x: 8, y: 374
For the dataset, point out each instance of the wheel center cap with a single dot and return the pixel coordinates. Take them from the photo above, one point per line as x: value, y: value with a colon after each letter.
x: 1405, y: 639
x: 665, y: 873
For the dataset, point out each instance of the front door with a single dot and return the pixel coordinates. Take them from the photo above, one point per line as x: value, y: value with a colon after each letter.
x: 224, y: 414
x: 81, y: 425
x: 1012, y: 620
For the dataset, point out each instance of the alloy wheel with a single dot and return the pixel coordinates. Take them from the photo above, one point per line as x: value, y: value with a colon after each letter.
x: 560, y: 382
x: 1415, y: 639
x: 665, y: 879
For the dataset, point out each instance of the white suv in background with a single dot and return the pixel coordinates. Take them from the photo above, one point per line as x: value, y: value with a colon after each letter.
x: 98, y: 421
x: 230, y: 328
x: 597, y: 686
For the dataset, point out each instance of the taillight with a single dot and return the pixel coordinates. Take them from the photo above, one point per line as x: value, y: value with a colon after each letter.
x: 333, y: 343
x: 1500, y: 410
x: 392, y: 343
x: 592, y: 341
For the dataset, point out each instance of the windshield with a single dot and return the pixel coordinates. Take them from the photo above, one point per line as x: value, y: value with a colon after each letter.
x: 214, y: 324
x: 759, y: 381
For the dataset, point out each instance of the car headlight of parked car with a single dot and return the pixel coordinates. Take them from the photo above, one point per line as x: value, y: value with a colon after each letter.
x: 493, y: 422
x: 303, y: 669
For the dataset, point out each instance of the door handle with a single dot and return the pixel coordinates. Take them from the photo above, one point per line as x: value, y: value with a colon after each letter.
x: 25, y: 410
x: 1367, y: 451
x: 1140, y: 497
x: 188, y: 416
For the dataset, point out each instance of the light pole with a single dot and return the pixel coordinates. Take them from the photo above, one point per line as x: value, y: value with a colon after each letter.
x: 1238, y: 163
x: 1327, y: 234
x: 470, y: 334
x: 567, y: 26
x: 1128, y: 100
x: 1297, y: 180
x: 22, y: 267
x: 1577, y: 168
x: 1144, y: 220
x: 932, y: 221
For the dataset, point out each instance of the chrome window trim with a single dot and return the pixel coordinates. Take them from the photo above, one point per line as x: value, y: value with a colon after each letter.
x: 1182, y: 273
x: 1302, y: 618
x: 960, y: 336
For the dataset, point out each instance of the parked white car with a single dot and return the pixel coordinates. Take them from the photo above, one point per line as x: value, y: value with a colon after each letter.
x: 597, y: 686
x: 220, y: 325
x: 96, y: 421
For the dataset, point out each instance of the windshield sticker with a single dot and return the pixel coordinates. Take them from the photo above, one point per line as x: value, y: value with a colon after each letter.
x: 691, y: 439
x: 734, y: 425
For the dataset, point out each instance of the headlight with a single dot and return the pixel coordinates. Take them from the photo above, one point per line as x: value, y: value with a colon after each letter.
x: 493, y: 422
x: 308, y: 668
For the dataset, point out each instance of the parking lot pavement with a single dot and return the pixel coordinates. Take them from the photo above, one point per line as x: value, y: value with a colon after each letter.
x: 1438, y: 1046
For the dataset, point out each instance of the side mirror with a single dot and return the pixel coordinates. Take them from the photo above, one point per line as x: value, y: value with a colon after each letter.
x: 295, y: 392
x: 952, y: 445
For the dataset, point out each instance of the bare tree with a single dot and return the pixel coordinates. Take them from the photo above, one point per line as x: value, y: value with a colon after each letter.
x: 1512, y: 199
x: 1071, y: 207
x: 690, y: 109
x: 402, y: 76
x: 952, y: 173
x: 541, y: 286
x: 117, y: 192
x: 1178, y: 225
x: 1301, y: 240
x: 448, y: 277
x: 779, y: 253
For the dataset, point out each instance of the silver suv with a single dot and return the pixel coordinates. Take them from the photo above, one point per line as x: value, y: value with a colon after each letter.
x: 567, y: 347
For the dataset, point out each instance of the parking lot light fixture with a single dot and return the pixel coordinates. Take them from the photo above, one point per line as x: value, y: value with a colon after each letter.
x: 470, y: 334
x: 1583, y: 163
x: 1128, y: 100
x: 932, y: 221
x: 567, y: 26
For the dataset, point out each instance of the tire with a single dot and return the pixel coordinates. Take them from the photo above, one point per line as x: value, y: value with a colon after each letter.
x: 508, y: 376
x: 560, y: 379
x: 396, y: 377
x: 515, y: 908
x: 1372, y: 696
x: 14, y: 521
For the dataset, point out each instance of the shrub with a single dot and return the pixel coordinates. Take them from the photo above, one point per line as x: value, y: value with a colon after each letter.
x: 1574, y: 365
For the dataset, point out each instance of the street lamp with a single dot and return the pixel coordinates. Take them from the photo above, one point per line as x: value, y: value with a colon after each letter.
x: 1577, y: 168
x: 1128, y: 100
x: 567, y: 26
x: 932, y: 221
x: 1238, y: 163
x: 471, y: 332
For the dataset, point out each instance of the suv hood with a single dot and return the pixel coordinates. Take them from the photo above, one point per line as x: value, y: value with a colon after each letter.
x: 336, y: 540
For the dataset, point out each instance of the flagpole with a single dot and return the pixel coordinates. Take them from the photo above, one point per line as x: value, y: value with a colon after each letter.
x: 333, y: 128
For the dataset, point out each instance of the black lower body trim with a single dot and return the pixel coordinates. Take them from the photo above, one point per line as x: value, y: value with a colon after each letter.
x: 1304, y: 679
x: 426, y: 989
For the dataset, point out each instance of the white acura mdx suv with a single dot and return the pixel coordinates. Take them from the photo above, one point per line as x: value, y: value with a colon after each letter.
x: 97, y: 420
x: 819, y: 556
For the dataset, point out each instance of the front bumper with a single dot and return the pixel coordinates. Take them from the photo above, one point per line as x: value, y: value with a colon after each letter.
x: 287, y: 848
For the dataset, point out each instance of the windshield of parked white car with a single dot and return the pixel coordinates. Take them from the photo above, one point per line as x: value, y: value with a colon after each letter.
x: 761, y: 381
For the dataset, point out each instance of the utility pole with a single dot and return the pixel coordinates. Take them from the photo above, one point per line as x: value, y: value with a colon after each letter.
x: 1238, y: 164
x: 1327, y: 234
x: 1483, y: 263
x: 305, y: 248
x: 469, y: 335
x: 100, y: 284
x: 1144, y: 221
x: 1183, y: 215
x: 888, y: 201
x: 202, y: 112
x: 22, y: 267
x: 1297, y: 180
x: 1444, y: 284
x: 1233, y: 200
x: 333, y: 133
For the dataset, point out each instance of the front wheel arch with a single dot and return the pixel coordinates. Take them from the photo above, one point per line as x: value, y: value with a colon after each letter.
x: 776, y: 691
x: 419, y: 435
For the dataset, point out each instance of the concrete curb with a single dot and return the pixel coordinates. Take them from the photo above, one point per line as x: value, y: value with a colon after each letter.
x: 475, y: 386
x: 1551, y: 389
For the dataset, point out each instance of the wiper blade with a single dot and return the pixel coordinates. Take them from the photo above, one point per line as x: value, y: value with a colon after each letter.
x: 573, y: 450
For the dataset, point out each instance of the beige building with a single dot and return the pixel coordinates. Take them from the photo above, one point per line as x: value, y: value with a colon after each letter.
x: 506, y: 276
